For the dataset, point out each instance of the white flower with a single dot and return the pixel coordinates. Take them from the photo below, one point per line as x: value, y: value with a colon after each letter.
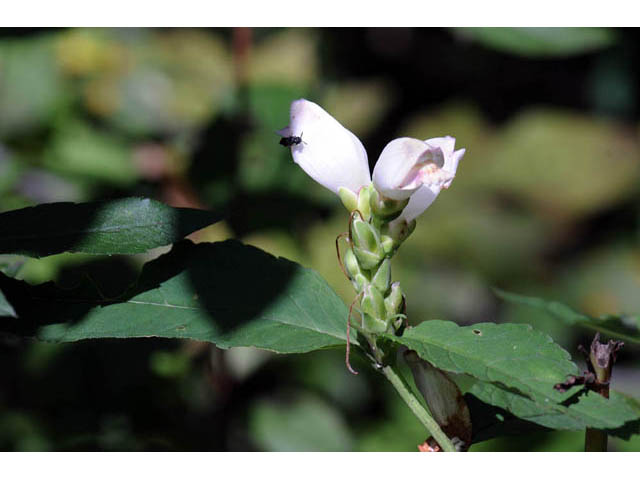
x: 335, y: 158
x: 418, y: 170
x: 328, y: 152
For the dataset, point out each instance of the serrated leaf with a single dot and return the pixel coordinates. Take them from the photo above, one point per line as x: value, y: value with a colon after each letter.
x: 517, y: 360
x: 226, y: 293
x: 561, y: 419
x: 123, y: 226
x: 6, y: 310
x: 625, y: 327
x: 542, y: 41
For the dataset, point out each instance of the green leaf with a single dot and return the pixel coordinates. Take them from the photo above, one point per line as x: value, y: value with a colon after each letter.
x: 123, y: 226
x: 542, y: 41
x: 226, y: 293
x: 625, y: 327
x: 6, y: 310
x: 551, y: 417
x: 516, y: 359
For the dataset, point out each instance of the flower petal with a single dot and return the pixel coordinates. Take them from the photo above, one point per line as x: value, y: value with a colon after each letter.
x: 451, y: 157
x: 328, y: 152
x: 433, y: 180
x: 447, y: 144
x: 419, y: 202
x: 396, y: 171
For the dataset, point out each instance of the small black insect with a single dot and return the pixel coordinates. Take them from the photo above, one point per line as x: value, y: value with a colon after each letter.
x: 291, y: 141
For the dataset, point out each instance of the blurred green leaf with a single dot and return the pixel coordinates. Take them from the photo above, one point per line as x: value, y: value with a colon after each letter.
x: 32, y: 90
x: 541, y: 41
x: 170, y: 364
x: 225, y: 293
x: 264, y: 164
x: 6, y: 310
x: 359, y: 105
x: 519, y: 359
x: 78, y: 149
x: 266, y: 65
x: 300, y: 424
x: 625, y: 327
x: 560, y: 163
x: 124, y: 226
x: 21, y: 431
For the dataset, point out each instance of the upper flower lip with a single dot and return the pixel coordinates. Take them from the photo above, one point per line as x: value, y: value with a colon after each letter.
x: 335, y: 158
x: 329, y: 153
x: 399, y: 170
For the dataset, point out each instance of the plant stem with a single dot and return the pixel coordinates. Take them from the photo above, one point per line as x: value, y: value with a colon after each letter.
x: 600, y: 360
x: 418, y: 410
x: 595, y: 440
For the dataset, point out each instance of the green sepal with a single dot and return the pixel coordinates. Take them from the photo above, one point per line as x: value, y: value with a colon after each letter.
x: 394, y: 302
x: 363, y: 202
x: 367, y: 260
x: 388, y: 245
x: 349, y: 199
x: 351, y: 263
x: 373, y: 325
x: 360, y: 281
x: 365, y: 237
x: 397, y: 232
x: 385, y: 208
x: 382, y: 278
x: 373, y: 303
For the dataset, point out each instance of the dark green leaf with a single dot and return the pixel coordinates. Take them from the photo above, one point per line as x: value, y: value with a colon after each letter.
x: 226, y: 293
x: 521, y: 367
x: 551, y: 417
x: 123, y: 226
x: 542, y: 41
x: 625, y: 327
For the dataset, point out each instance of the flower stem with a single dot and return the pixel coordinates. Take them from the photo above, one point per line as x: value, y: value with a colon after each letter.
x: 418, y: 410
x: 595, y: 440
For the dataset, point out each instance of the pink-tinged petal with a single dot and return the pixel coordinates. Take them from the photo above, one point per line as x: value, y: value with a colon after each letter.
x: 419, y: 177
x: 397, y: 174
x: 328, y: 152
x: 418, y: 203
x: 447, y: 144
x: 454, y: 160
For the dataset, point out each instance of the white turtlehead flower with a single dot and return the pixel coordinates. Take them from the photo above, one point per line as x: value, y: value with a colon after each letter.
x: 327, y: 152
x: 416, y: 169
x: 335, y: 158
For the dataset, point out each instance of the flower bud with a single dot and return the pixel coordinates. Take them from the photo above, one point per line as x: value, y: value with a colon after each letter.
x: 382, y: 278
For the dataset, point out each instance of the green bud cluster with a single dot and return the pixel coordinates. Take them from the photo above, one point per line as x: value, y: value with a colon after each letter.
x: 373, y: 240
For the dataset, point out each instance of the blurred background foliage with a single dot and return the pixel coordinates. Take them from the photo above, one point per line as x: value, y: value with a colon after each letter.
x: 546, y: 202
